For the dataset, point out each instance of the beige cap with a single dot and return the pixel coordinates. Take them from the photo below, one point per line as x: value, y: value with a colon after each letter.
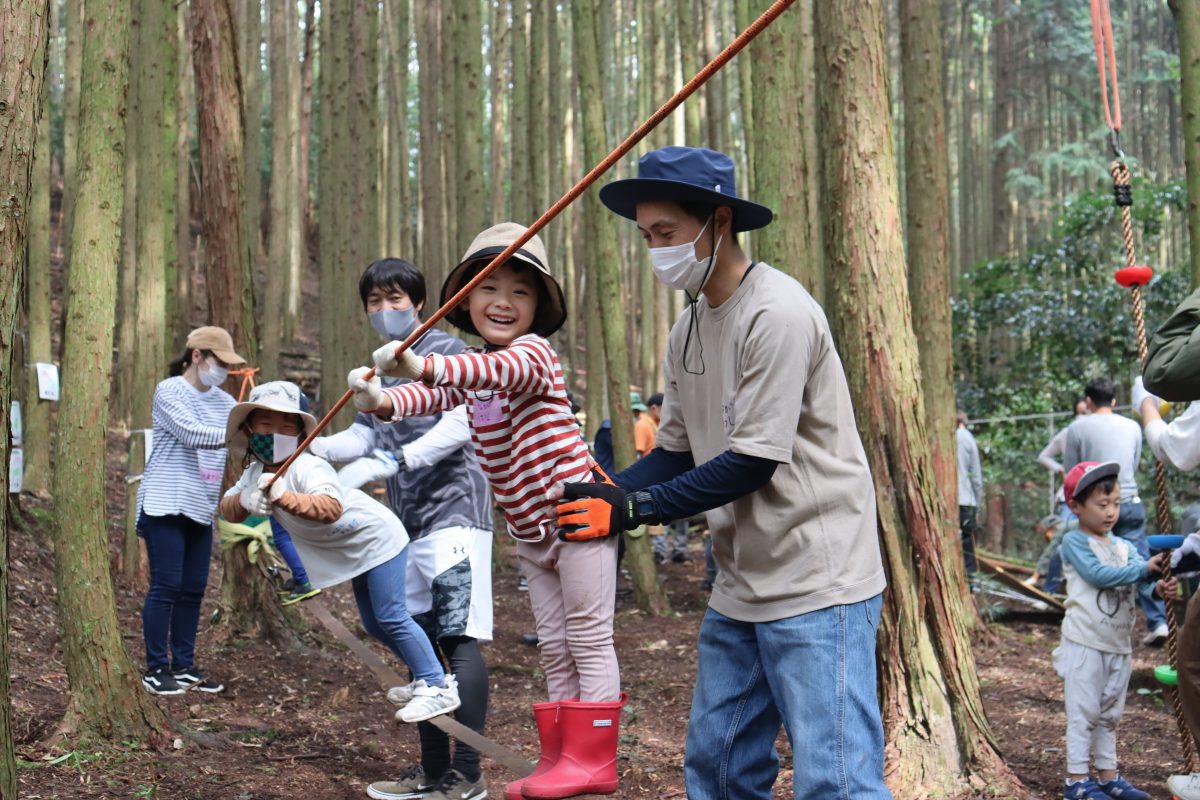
x: 217, y: 340
x: 491, y: 243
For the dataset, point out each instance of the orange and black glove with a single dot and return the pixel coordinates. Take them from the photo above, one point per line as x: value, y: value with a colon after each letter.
x: 595, y: 510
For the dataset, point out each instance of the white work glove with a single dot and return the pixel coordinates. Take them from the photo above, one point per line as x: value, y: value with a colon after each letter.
x: 409, y: 365
x: 1190, y: 549
x: 378, y: 466
x: 368, y: 395
x: 255, y: 502
x: 1140, y: 395
x: 274, y: 491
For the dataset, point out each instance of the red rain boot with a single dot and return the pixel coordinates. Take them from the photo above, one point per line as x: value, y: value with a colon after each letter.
x: 588, y: 761
x: 550, y: 739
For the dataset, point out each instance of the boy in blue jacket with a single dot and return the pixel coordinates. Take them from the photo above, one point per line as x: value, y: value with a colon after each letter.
x: 1104, y: 575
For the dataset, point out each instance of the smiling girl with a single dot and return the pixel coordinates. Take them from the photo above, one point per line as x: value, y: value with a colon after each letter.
x: 527, y: 440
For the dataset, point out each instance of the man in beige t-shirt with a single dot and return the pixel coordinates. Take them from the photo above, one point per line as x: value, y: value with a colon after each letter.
x: 757, y: 431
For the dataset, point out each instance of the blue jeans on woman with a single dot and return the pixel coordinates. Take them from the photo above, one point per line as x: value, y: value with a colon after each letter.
x: 178, y: 549
x: 380, y: 595
x: 814, y: 674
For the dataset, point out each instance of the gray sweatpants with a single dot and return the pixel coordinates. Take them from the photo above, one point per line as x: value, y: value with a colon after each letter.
x: 1094, y: 685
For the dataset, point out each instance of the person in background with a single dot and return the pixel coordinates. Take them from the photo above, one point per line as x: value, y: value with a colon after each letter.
x: 1105, y: 436
x: 970, y: 491
x: 176, y: 503
x: 1053, y: 451
x: 670, y: 540
x: 1049, y: 566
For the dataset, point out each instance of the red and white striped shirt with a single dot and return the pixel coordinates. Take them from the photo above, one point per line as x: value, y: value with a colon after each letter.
x: 522, y: 427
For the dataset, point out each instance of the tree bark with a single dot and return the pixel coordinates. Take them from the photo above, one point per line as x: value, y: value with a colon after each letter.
x: 248, y: 28
x: 781, y: 172
x: 72, y: 78
x: 399, y: 233
x: 106, y: 699
x: 24, y: 129
x: 1187, y: 27
x: 689, y: 47
x: 498, y: 89
x: 468, y: 122
x: 1004, y: 125
x: 156, y: 200
x: 127, y: 277
x: 36, y: 412
x: 179, y: 305
x: 602, y: 241
x: 520, y: 202
x: 937, y: 735
x: 304, y: 158
x: 433, y: 230
x: 228, y: 248
x: 927, y: 189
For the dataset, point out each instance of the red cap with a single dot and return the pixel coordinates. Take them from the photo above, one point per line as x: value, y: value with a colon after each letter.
x: 1086, y: 473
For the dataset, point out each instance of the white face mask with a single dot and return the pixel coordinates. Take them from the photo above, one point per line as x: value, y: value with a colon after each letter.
x: 678, y: 267
x: 285, y: 445
x: 215, y: 375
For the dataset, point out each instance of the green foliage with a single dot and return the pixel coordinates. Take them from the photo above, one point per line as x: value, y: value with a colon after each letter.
x: 1030, y: 331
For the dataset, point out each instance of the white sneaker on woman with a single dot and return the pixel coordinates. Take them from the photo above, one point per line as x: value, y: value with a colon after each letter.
x: 403, y: 695
x: 429, y: 702
x: 1185, y: 787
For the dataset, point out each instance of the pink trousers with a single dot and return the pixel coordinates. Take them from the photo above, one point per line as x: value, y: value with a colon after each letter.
x: 573, y: 587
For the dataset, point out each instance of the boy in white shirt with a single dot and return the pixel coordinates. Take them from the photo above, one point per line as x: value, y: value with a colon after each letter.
x: 1103, y: 574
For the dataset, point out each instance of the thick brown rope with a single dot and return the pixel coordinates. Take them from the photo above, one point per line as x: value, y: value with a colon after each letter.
x: 664, y: 111
x: 1162, y: 509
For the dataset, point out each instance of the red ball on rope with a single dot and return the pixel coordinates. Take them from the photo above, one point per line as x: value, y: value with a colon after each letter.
x: 1134, y: 276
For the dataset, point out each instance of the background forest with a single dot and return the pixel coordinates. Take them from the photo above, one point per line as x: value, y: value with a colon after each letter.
x: 240, y: 162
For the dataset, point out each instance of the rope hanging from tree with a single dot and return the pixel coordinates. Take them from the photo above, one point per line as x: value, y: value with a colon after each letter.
x: 1133, y: 277
x: 664, y: 111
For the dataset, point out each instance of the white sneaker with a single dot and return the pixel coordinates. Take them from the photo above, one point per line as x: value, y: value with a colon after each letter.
x: 1185, y: 787
x: 1157, y: 637
x: 429, y: 702
x: 403, y: 695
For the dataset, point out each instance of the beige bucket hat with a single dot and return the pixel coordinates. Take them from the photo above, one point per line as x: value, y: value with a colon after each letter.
x: 274, y: 396
x: 487, y: 246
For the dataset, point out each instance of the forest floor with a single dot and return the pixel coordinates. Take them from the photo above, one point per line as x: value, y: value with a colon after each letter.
x: 313, y: 724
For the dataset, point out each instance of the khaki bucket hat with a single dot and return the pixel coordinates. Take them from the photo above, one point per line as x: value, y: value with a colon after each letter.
x: 274, y: 396
x: 217, y: 340
x: 491, y: 243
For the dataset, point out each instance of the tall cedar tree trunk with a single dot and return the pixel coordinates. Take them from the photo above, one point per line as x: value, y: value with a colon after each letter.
x: 72, y: 81
x: 227, y: 243
x: 471, y: 211
x: 498, y: 92
x: 106, y: 698
x: 781, y: 166
x: 927, y: 191
x: 127, y: 277
x: 689, y: 56
x: 24, y: 115
x: 305, y: 192
x: 248, y: 28
x: 156, y: 200
x: 297, y: 202
x: 35, y: 411
x: 179, y: 309
x: 537, y: 78
x: 433, y: 230
x: 284, y: 76
x: 937, y: 736
x: 1004, y: 124
x: 606, y: 287
x: 1187, y: 27
x: 399, y: 226
x: 520, y: 202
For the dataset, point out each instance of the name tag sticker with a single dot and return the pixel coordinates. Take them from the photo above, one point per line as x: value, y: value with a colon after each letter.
x: 602, y: 723
x: 210, y: 475
x: 489, y: 411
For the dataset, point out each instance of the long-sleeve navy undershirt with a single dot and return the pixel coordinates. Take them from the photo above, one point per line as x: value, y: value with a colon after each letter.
x: 680, y: 489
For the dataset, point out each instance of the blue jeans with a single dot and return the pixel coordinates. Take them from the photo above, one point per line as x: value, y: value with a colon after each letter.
x: 283, y: 543
x: 380, y: 595
x: 814, y: 674
x: 178, y: 549
x: 1131, y: 526
x: 1054, y: 573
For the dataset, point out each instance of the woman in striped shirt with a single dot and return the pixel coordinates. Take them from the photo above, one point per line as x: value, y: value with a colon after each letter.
x: 176, y: 502
x: 527, y: 440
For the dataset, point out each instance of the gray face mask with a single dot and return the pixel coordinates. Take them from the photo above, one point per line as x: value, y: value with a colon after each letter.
x: 393, y: 323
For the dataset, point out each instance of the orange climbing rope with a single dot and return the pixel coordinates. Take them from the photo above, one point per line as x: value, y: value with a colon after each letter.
x: 247, y: 374
x: 701, y: 77
x: 1134, y: 277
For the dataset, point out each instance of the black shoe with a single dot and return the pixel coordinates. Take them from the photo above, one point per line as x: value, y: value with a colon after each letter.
x: 529, y: 639
x: 195, y: 680
x: 679, y: 558
x: 160, y: 681
x: 659, y: 558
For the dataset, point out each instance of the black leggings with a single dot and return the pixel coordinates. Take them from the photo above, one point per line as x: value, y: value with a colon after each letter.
x: 466, y: 664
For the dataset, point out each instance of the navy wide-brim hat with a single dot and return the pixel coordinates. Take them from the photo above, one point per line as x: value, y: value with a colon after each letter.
x: 685, y: 174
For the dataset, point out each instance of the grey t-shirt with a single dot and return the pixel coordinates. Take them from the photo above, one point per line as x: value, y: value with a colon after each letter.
x: 970, y: 471
x: 762, y: 378
x: 1106, y: 437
